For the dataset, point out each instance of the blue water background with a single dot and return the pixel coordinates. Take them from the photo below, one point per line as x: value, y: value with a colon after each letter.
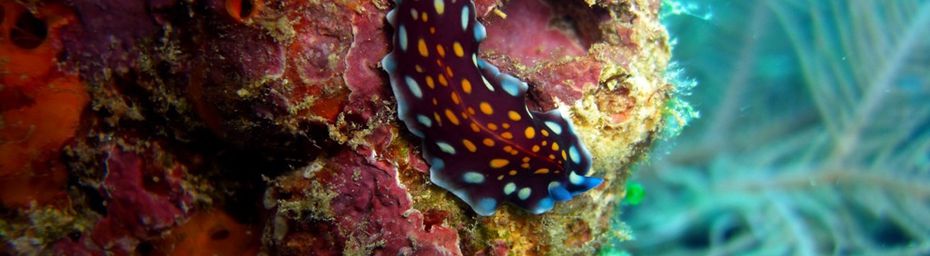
x: 814, y: 135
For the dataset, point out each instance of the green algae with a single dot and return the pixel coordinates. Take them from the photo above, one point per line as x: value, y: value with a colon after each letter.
x: 31, y: 230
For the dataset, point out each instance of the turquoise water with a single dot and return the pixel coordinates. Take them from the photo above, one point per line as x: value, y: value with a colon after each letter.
x: 814, y: 136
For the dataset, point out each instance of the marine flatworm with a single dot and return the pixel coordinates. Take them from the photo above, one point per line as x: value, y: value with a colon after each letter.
x: 479, y: 138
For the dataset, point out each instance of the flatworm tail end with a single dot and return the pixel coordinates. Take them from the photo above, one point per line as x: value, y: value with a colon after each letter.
x: 481, y: 142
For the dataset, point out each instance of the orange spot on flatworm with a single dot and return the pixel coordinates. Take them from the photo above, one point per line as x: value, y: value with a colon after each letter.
x: 430, y: 83
x: 513, y: 115
x: 455, y: 98
x: 469, y: 145
x: 485, y: 108
x: 466, y: 86
x: 452, y: 118
x: 421, y: 46
x: 436, y: 117
x: 457, y: 47
x: 529, y: 132
x: 498, y: 163
x: 441, y: 50
x: 443, y: 81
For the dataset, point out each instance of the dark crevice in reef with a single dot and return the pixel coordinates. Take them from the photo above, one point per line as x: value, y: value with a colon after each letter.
x: 29, y: 31
x: 2, y: 14
x: 236, y: 173
x: 579, y: 18
x: 143, y: 103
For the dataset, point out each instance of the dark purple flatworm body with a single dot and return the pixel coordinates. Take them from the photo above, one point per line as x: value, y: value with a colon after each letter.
x: 480, y: 140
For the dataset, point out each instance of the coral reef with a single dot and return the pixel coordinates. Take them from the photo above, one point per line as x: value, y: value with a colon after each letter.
x: 246, y: 126
x: 366, y: 209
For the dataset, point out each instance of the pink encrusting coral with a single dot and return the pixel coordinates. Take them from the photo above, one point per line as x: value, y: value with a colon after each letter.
x: 269, y: 126
x: 367, y: 208
x: 555, y: 59
x: 143, y: 195
x: 526, y: 34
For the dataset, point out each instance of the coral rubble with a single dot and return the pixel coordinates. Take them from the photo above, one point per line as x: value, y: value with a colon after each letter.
x: 247, y: 126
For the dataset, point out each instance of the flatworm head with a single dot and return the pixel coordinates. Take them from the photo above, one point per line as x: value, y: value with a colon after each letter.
x: 479, y: 138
